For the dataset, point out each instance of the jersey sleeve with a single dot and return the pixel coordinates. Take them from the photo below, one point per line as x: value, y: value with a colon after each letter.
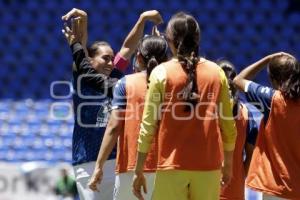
x: 154, y: 98
x: 119, y: 96
x: 227, y: 124
x: 260, y: 96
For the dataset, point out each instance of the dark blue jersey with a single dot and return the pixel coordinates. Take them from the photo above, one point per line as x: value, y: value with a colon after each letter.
x: 92, y: 98
x: 261, y: 97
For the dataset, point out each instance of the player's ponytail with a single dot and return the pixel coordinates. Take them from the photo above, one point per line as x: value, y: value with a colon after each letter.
x: 153, y: 50
x: 184, y: 32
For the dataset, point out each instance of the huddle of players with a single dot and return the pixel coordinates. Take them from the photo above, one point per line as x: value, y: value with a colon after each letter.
x: 170, y: 143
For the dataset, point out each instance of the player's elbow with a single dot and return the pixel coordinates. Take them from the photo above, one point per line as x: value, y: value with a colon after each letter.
x: 238, y: 82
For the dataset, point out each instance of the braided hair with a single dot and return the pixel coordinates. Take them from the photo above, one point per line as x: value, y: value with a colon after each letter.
x: 153, y: 50
x: 184, y: 32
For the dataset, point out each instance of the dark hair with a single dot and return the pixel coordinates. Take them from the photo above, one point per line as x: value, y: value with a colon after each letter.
x: 93, y: 48
x: 153, y: 50
x: 285, y: 70
x: 184, y: 32
x: 230, y: 73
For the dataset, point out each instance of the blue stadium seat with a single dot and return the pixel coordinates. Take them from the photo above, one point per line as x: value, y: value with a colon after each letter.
x: 5, y: 106
x: 14, y: 119
x: 265, y: 5
x: 58, y: 144
x: 9, y: 58
x: 119, y: 4
x: 210, y: 5
x: 3, y: 154
x: 228, y: 6
x: 36, y: 143
x: 11, y: 156
x: 267, y: 32
x: 247, y: 5
x: 193, y: 5
x: 229, y: 31
x: 65, y: 131
x: 172, y: 5
x: 49, y: 156
x: 281, y: 5
x: 18, y: 144
x: 7, y: 141
x: 67, y: 143
x: 294, y: 19
x: 67, y: 156
x: 34, y: 5
x: 287, y: 32
x: 279, y: 20
x: 43, y: 130
x: 240, y: 19
x: 103, y: 5
x: 29, y: 155
x: 24, y: 130
x: 222, y: 18
x: 224, y: 46
x: 58, y: 155
x: 8, y: 18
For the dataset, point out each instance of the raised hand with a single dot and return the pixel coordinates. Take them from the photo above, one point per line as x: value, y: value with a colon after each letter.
x: 74, y: 13
x: 274, y: 55
x: 72, y: 34
x: 155, y: 31
x: 152, y: 15
x: 82, y: 18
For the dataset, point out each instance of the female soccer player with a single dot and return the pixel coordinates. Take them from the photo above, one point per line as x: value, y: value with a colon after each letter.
x: 275, y: 165
x: 94, y: 79
x: 181, y: 108
x: 245, y: 141
x: 125, y: 121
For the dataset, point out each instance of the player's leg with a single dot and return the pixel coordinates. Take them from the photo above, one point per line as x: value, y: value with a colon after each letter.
x: 171, y: 184
x: 123, y: 189
x: 205, y: 185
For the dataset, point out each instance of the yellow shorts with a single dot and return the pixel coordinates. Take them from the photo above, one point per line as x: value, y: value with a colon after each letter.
x: 187, y: 185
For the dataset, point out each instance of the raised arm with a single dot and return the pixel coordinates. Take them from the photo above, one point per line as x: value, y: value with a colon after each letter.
x: 82, y: 65
x: 131, y: 42
x: 250, y: 72
x: 82, y: 18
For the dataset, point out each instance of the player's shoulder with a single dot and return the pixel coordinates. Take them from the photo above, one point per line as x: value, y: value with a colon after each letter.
x: 116, y: 73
